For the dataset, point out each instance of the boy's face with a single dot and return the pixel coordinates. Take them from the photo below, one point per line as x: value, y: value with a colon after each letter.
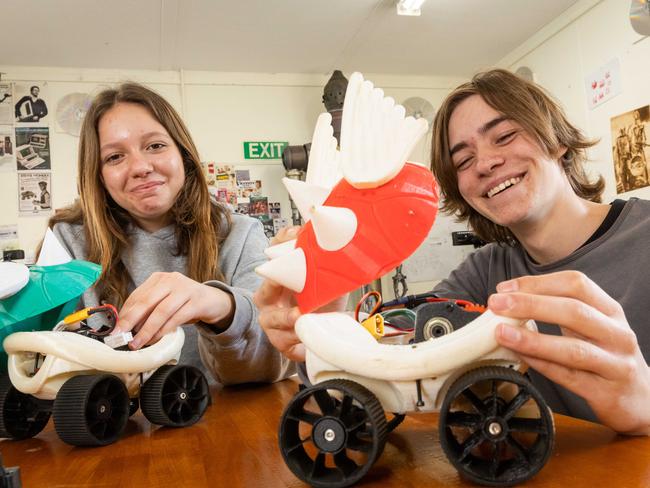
x: 502, y: 173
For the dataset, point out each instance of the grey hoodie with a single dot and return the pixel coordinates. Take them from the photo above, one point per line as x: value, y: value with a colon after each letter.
x: 242, y: 352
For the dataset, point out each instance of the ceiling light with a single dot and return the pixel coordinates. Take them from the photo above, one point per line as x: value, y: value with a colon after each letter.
x: 409, y: 7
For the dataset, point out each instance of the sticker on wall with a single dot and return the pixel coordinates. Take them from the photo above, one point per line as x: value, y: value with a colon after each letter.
x: 31, y: 105
x: 6, y: 104
x: 603, y: 84
x: 631, y: 150
x: 32, y: 148
x: 34, y: 193
x: 7, y: 149
x: 8, y: 237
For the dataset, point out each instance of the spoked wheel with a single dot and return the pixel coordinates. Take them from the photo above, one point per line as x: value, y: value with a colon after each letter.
x: 20, y: 415
x: 495, y: 427
x: 91, y: 410
x: 332, y: 433
x: 176, y: 396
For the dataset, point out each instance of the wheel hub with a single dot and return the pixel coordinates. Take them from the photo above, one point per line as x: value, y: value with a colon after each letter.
x: 495, y: 428
x: 182, y: 395
x: 329, y: 434
x: 103, y: 409
x: 437, y: 327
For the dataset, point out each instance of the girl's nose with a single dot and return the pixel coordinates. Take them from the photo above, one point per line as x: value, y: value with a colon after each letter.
x: 140, y: 165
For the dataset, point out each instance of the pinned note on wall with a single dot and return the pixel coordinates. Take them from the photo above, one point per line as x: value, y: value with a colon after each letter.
x: 603, y: 84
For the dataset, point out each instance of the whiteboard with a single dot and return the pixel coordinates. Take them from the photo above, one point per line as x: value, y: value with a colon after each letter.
x: 437, y: 257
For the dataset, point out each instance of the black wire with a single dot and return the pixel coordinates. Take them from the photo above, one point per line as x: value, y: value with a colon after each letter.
x: 410, y: 301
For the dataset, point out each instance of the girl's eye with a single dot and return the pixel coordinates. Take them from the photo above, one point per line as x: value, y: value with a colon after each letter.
x: 113, y: 158
x: 157, y: 145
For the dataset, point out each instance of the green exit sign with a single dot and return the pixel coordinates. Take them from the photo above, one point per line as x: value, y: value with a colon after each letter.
x: 264, y: 149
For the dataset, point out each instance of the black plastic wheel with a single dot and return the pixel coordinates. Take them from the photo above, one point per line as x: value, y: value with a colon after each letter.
x: 20, y: 414
x: 495, y: 427
x: 91, y: 410
x: 332, y: 433
x: 175, y: 396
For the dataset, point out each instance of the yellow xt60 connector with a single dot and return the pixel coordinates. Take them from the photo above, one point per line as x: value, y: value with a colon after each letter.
x: 375, y: 325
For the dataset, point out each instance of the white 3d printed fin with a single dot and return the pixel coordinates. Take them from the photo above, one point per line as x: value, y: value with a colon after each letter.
x: 278, y: 250
x: 288, y: 270
x: 334, y: 227
x: 324, y: 158
x: 52, y: 252
x: 13, y: 277
x: 376, y: 137
x: 306, y: 196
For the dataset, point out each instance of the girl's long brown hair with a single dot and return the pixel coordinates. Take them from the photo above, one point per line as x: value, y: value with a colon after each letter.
x: 200, y: 225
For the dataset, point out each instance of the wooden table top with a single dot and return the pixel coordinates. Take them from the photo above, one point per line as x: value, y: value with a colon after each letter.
x: 235, y: 444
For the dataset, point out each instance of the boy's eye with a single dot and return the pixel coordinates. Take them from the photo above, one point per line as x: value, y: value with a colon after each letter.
x: 463, y: 163
x: 506, y: 137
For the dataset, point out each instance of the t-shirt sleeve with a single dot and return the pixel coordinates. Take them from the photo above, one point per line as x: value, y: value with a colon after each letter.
x: 469, y: 281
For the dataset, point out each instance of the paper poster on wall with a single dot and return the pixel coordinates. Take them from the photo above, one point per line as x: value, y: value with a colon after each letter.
x: 242, y: 207
x: 32, y: 148
x: 249, y: 188
x: 31, y: 104
x: 267, y: 224
x: 279, y: 224
x: 242, y: 175
x: 603, y: 84
x: 259, y: 206
x: 7, y: 149
x: 6, y: 104
x: 275, y: 210
x: 226, y: 177
x: 34, y: 193
x: 630, y: 149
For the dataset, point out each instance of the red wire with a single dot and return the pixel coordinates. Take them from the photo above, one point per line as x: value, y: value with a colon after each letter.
x: 374, y: 293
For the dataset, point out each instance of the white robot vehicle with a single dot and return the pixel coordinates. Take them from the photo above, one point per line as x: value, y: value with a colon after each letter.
x: 81, y: 375
x: 365, y: 211
x: 494, y: 426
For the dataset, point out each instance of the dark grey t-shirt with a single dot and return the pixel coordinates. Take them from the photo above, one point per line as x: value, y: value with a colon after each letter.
x: 618, y: 261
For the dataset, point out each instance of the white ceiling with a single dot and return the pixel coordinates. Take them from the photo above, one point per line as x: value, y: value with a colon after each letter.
x: 452, y: 37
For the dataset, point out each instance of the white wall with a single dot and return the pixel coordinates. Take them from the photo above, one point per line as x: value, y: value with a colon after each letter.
x: 563, y: 54
x: 221, y: 110
x: 224, y: 109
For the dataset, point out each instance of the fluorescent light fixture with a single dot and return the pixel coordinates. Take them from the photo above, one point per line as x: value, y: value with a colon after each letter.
x: 409, y: 7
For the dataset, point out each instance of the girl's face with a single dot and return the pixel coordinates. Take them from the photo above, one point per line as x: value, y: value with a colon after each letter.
x: 141, y: 166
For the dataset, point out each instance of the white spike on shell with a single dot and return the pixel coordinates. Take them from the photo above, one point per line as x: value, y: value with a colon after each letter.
x: 334, y: 227
x: 288, y: 270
